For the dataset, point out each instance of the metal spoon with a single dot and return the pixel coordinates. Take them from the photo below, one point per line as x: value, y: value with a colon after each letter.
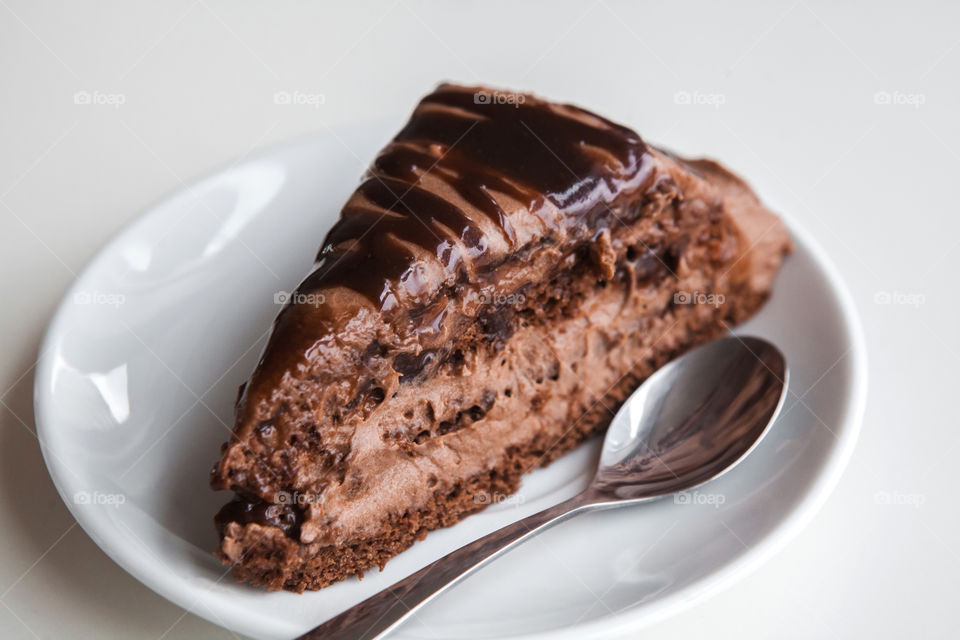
x: 690, y: 422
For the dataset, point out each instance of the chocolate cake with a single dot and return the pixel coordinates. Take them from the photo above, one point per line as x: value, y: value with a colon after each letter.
x: 507, y: 273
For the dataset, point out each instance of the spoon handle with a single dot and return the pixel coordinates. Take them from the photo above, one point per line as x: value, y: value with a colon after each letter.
x: 381, y: 613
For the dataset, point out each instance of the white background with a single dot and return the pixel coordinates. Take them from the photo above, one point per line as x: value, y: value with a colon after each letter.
x: 843, y: 114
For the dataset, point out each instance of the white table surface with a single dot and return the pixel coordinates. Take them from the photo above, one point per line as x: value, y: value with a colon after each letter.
x: 785, y: 93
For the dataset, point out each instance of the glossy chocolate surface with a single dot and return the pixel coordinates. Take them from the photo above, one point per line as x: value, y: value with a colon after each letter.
x: 486, y: 146
x: 244, y: 511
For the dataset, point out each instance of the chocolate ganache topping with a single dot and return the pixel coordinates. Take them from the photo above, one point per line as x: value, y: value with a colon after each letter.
x: 487, y: 147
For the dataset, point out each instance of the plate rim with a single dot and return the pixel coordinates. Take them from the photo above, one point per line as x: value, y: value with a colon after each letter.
x: 634, y: 618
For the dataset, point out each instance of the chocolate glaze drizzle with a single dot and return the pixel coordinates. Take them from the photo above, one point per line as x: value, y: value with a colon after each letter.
x: 477, y: 142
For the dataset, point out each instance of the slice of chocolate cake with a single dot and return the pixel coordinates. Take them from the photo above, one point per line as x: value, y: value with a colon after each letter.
x: 506, y: 274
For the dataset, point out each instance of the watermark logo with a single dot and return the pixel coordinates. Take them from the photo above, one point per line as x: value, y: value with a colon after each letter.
x: 296, y: 498
x: 697, y: 297
x: 897, y: 498
x: 899, y: 298
x: 903, y: 98
x: 486, y: 498
x: 696, y: 497
x: 99, y: 298
x: 499, y: 97
x: 299, y: 98
x: 99, y: 498
x: 295, y: 297
x: 100, y: 98
x: 715, y: 100
x: 512, y: 299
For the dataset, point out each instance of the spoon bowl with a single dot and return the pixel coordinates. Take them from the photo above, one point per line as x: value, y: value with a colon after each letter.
x: 690, y: 422
x: 681, y: 428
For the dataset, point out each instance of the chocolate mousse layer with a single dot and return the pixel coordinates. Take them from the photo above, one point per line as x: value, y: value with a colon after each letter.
x: 507, y: 273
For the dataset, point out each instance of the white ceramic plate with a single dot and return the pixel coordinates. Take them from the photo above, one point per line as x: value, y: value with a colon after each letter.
x: 139, y: 371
